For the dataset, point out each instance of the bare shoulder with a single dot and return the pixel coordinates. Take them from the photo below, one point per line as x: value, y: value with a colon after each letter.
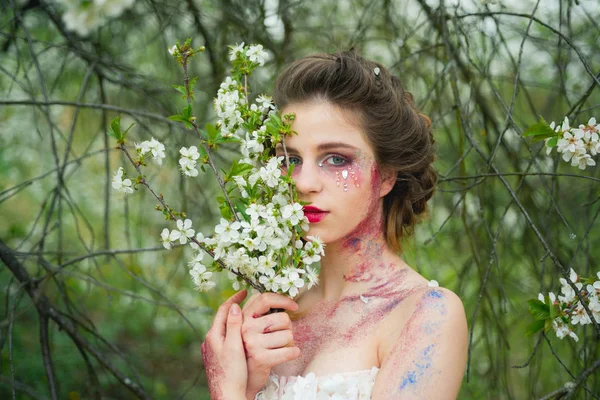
x: 426, y: 348
x: 425, y: 308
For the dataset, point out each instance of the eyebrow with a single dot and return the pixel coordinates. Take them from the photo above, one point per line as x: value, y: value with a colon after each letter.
x: 322, y: 146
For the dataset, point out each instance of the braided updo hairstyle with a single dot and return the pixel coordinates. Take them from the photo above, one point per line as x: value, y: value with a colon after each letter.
x: 400, y: 136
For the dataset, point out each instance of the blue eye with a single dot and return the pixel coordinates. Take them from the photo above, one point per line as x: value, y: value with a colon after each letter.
x: 335, y: 160
x: 294, y: 160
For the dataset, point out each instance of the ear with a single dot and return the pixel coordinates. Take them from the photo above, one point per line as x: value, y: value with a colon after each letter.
x: 388, y: 180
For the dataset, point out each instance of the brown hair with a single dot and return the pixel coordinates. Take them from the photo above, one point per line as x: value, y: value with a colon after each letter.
x: 400, y: 136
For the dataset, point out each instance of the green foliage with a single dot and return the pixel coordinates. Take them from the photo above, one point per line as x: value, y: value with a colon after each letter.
x: 476, y: 240
x: 114, y: 130
x: 185, y: 116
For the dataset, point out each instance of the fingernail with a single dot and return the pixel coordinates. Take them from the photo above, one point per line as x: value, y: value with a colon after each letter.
x: 235, y: 309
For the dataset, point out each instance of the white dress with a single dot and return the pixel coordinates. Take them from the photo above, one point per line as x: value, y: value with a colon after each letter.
x: 342, y: 386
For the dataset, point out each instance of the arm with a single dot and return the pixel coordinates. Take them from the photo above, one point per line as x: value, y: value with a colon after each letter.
x: 428, y: 357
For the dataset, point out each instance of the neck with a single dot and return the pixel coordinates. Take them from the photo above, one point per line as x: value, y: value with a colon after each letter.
x: 358, y: 262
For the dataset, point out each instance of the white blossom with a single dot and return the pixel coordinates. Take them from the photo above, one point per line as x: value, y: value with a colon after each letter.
x: 83, y: 17
x: 580, y: 316
x: 184, y: 231
x: 187, y: 161
x: 201, y: 277
x: 265, y: 103
x: 582, y: 161
x: 293, y: 213
x: 228, y: 232
x: 312, y: 276
x: 562, y: 330
x: 165, y: 239
x: 257, y: 54
x: 233, y: 52
x: 120, y: 184
x: 577, y: 145
x: 154, y: 147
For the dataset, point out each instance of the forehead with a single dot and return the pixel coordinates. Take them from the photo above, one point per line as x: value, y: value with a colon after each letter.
x: 319, y: 123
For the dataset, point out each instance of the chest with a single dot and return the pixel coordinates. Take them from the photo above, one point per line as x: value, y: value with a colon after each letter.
x: 339, y: 338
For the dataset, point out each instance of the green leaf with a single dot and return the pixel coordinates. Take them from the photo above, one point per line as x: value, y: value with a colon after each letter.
x: 115, y: 129
x: 127, y: 130
x: 238, y: 168
x: 539, y: 310
x: 540, y: 129
x: 212, y: 132
x: 180, y: 89
x: 187, y: 112
x: 539, y: 138
x: 241, y: 207
x: 177, y: 117
x: 553, y: 311
x: 193, y: 82
x: 290, y: 170
x: 225, y: 211
x: 552, y: 142
x: 535, y: 327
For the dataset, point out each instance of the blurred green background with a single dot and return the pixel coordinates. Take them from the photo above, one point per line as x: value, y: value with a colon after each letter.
x: 482, y: 70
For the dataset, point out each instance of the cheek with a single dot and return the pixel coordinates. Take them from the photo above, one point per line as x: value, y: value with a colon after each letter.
x: 347, y: 179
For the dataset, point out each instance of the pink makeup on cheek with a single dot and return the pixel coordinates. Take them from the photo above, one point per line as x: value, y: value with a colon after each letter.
x: 372, y: 225
x: 345, y: 176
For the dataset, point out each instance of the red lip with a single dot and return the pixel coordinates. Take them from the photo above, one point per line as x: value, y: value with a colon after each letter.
x: 311, y: 209
x: 314, y: 214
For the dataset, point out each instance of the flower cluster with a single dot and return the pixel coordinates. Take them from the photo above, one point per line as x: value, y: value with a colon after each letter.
x: 567, y: 311
x: 577, y: 145
x: 259, y: 238
x: 227, y: 104
x: 183, y: 233
x: 255, y: 53
x: 120, y: 184
x: 199, y: 273
x: 82, y: 17
x: 151, y: 147
x: 263, y: 245
x: 189, y: 160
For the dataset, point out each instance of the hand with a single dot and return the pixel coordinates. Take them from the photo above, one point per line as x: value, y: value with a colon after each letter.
x: 267, y: 338
x: 223, y: 352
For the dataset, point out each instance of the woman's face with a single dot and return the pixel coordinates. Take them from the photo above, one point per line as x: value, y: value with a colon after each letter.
x: 335, y: 170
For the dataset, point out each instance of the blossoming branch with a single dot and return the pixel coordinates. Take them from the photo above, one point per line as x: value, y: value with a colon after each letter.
x: 259, y: 237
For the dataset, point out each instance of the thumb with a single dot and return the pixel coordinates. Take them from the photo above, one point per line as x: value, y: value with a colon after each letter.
x: 233, y: 335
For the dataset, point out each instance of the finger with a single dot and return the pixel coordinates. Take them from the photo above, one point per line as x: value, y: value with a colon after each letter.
x: 276, y: 340
x: 266, y: 301
x: 233, y: 337
x: 275, y: 357
x: 251, y: 300
x: 271, y: 323
x: 218, y: 326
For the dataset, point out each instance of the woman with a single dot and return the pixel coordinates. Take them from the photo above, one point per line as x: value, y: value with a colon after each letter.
x: 373, y: 327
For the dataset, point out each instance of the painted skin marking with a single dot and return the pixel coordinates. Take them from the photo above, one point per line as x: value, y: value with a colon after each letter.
x: 214, y: 372
x: 419, y: 370
x: 420, y: 332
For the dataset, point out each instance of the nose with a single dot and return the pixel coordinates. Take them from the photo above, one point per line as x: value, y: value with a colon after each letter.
x: 308, y: 178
